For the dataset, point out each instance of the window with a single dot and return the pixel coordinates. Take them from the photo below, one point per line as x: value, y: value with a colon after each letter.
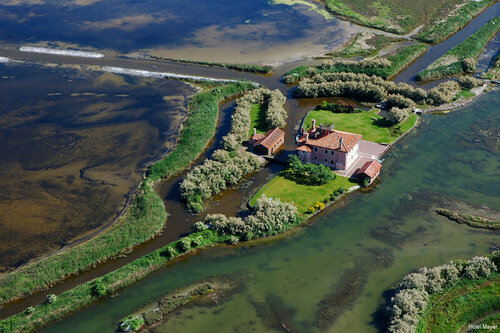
x: 331, y: 162
x: 315, y: 148
x: 326, y: 151
x: 326, y: 160
x: 331, y: 152
x: 315, y: 157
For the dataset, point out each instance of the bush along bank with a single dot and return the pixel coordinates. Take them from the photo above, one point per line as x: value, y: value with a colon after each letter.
x: 229, y: 165
x: 420, y: 296
x: 146, y: 215
x: 375, y: 89
x: 385, y: 67
x: 461, y: 58
x: 270, y: 217
x: 493, y: 72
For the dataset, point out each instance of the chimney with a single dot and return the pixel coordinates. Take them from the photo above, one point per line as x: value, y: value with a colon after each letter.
x: 254, y: 131
x: 314, y: 123
x: 340, y: 141
x: 307, y: 136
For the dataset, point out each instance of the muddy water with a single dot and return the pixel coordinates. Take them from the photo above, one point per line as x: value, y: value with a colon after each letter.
x: 222, y: 30
x: 72, y: 146
x: 335, y: 273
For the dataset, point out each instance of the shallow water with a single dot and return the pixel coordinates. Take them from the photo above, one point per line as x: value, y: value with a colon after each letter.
x: 222, y: 30
x: 73, y: 144
x: 335, y: 273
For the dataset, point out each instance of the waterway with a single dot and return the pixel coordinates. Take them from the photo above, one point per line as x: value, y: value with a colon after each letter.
x: 73, y: 144
x: 335, y: 273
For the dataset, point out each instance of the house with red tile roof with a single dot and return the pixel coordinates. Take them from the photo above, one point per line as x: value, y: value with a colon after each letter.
x: 269, y: 143
x: 323, y: 145
x: 370, y: 170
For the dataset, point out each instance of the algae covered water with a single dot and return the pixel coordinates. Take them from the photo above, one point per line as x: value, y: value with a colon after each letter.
x: 336, y: 273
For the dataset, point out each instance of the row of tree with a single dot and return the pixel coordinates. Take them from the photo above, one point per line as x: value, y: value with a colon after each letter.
x: 270, y: 216
x: 375, y: 89
x: 412, y: 296
x: 214, y: 175
x: 274, y: 110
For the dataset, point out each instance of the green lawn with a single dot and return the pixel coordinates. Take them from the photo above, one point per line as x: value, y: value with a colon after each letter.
x: 302, y: 196
x: 360, y: 123
x: 257, y: 119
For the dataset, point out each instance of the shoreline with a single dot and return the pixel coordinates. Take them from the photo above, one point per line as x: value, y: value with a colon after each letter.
x: 257, y: 241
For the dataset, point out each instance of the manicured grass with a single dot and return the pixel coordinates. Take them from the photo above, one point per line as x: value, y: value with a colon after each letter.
x: 453, y: 62
x: 257, y: 119
x: 364, y: 123
x: 302, y: 196
x: 142, y: 221
x: 451, y: 18
x: 466, y: 302
x: 399, y: 59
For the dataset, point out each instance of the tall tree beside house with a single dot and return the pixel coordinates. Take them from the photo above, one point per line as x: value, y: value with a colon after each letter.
x: 308, y: 173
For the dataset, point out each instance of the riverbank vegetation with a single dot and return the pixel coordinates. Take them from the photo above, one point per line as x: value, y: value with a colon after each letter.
x: 271, y: 113
x: 146, y: 215
x: 493, y: 72
x: 363, y: 44
x: 461, y: 58
x: 367, y: 123
x: 470, y: 220
x: 197, y: 129
x: 385, y: 67
x: 375, y: 89
x: 251, y: 68
x: 229, y: 165
x: 451, y: 18
x: 445, y: 298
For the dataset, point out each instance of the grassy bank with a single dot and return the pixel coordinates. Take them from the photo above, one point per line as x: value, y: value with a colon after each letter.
x: 493, y: 72
x: 461, y: 58
x: 470, y: 220
x: 466, y: 302
x: 367, y: 123
x: 258, y: 119
x: 84, y: 294
x: 398, y: 59
x: 363, y: 44
x: 237, y: 67
x: 451, y: 18
x: 146, y: 215
x: 301, y: 195
x: 197, y: 129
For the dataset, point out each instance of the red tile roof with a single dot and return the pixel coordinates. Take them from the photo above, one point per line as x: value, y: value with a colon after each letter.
x: 270, y: 138
x: 370, y: 168
x: 304, y: 148
x: 256, y: 136
x: 330, y: 139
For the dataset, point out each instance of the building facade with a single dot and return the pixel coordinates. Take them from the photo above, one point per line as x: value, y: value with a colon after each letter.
x: 335, y: 149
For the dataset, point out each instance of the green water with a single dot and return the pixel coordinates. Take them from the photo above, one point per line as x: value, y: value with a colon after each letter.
x: 336, y: 272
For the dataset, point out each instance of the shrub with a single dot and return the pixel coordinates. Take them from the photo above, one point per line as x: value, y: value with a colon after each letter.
x: 233, y: 240
x: 184, y: 244
x: 200, y: 226
x: 399, y: 101
x: 131, y: 323
x: 468, y: 82
x: 399, y: 115
x: 341, y: 107
x: 98, y: 289
x: 50, y: 299
x: 479, y: 267
x: 443, y: 93
x: 309, y: 173
x: 29, y: 310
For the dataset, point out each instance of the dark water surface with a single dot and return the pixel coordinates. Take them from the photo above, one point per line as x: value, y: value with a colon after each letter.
x: 73, y: 144
x: 221, y: 30
x: 335, y: 273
